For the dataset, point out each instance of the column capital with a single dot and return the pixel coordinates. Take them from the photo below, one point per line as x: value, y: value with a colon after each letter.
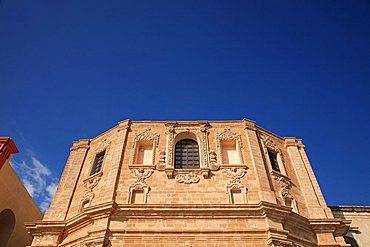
x: 125, y: 124
x: 292, y: 141
x: 249, y: 124
x: 83, y: 143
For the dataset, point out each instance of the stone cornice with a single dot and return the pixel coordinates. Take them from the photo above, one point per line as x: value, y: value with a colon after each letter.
x: 83, y: 143
x: 355, y: 209
x: 7, y: 148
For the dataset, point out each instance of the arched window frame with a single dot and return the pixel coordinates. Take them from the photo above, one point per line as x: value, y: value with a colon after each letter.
x: 197, y: 131
x: 193, y: 154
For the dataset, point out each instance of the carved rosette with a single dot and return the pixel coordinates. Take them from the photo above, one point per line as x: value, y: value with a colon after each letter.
x: 187, y: 178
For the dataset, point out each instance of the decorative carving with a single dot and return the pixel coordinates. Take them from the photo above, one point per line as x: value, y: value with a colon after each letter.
x: 95, y: 243
x: 227, y: 135
x: 213, y: 161
x: 235, y: 174
x: 285, y: 185
x: 282, y: 243
x: 102, y: 146
x: 187, y: 178
x: 141, y: 175
x: 285, y: 188
x: 89, y: 184
x: 200, y: 130
x: 235, y: 184
x: 147, y: 135
x: 162, y: 161
x: 140, y: 184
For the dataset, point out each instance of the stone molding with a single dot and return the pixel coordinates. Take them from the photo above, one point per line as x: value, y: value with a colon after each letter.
x: 140, y: 183
x: 235, y: 184
x: 228, y: 135
x: 146, y: 135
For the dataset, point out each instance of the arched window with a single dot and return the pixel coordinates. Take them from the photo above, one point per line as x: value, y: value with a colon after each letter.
x: 7, y: 223
x: 186, y: 154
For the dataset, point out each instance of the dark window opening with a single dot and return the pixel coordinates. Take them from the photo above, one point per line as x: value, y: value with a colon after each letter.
x: 187, y: 154
x: 274, y: 161
x: 98, y: 163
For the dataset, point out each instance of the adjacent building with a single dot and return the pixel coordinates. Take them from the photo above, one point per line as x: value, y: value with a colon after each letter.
x: 16, y: 205
x: 189, y: 183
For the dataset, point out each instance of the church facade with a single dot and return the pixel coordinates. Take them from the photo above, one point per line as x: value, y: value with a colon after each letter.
x: 188, y: 183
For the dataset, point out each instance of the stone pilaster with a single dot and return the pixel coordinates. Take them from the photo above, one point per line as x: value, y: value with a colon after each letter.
x: 266, y: 194
x: 59, y: 207
x: 112, y: 176
x: 307, y: 181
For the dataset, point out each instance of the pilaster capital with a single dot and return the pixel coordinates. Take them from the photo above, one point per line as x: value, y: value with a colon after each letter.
x: 290, y: 142
x: 249, y: 124
x: 125, y: 124
x: 83, y: 143
x: 293, y: 142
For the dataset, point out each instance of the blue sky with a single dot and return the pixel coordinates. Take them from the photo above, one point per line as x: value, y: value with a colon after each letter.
x: 73, y: 69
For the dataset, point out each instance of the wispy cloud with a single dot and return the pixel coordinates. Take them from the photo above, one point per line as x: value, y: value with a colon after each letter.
x: 37, y: 178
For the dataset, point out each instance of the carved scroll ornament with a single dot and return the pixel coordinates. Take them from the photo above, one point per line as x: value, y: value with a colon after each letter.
x: 187, y: 178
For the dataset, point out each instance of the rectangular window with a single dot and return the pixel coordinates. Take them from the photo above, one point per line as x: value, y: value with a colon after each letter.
x: 98, y: 163
x: 274, y: 161
x: 237, y: 197
x: 230, y: 154
x: 144, y: 155
x: 137, y: 197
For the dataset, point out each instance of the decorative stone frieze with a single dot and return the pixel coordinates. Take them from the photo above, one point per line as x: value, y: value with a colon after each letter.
x: 187, y: 178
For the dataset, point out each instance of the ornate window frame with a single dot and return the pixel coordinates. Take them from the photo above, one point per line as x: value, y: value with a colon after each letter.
x: 228, y: 135
x: 269, y: 145
x: 197, y: 131
x: 146, y: 135
x: 101, y: 147
x: 235, y: 174
x: 140, y: 184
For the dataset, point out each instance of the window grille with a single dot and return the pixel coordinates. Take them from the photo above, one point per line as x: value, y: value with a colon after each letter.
x: 98, y: 163
x: 274, y: 161
x: 187, y: 154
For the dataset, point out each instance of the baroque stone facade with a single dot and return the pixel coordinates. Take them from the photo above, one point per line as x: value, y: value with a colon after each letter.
x: 249, y: 187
